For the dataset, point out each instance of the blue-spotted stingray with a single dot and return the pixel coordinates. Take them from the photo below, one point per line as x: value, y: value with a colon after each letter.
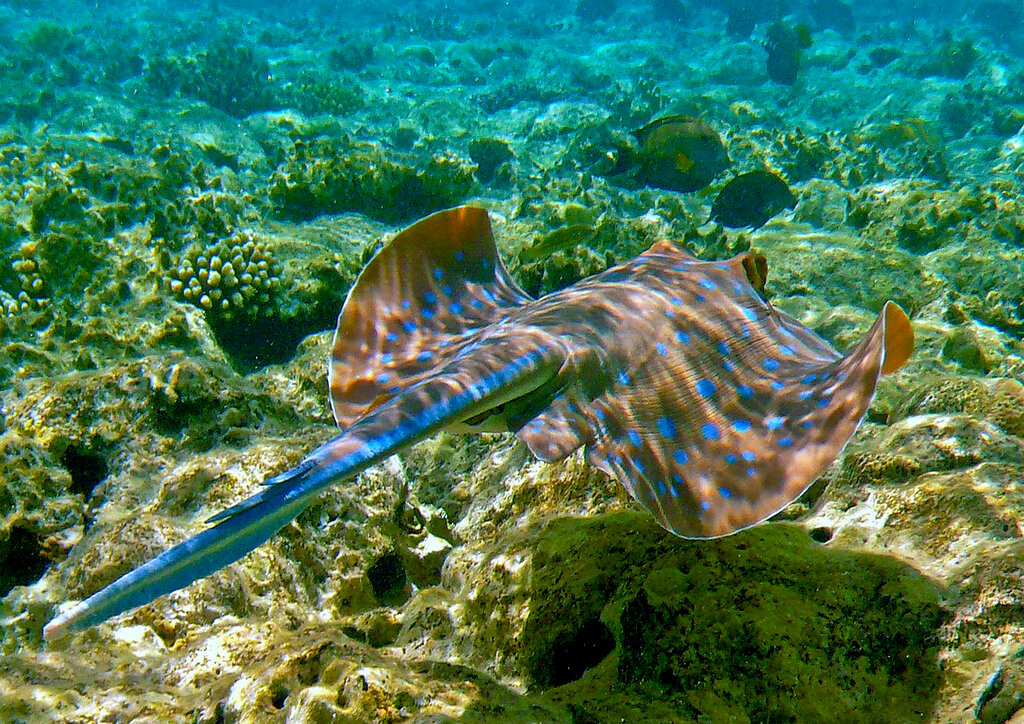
x: 677, y: 377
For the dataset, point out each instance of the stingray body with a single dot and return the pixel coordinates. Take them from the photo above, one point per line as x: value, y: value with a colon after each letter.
x: 679, y: 379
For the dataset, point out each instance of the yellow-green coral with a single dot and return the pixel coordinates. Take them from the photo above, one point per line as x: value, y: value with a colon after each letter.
x: 237, y: 276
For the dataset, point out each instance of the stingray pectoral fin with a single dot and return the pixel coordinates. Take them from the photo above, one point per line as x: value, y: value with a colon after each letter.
x: 493, y: 374
x: 750, y: 439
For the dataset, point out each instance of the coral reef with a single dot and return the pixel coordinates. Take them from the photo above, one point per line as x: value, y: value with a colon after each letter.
x: 153, y: 157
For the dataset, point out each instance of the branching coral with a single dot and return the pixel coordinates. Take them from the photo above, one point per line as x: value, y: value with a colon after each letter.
x: 234, y: 277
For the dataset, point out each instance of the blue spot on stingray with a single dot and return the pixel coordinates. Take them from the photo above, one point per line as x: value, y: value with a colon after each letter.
x: 745, y: 391
x: 428, y: 313
x: 662, y: 349
x: 786, y: 349
x: 430, y: 298
x: 662, y: 488
x: 682, y: 337
x: 749, y: 313
x: 805, y: 395
x: 728, y: 366
x: 723, y: 348
x: 678, y: 480
x: 809, y: 379
x: 777, y: 385
x: 406, y: 304
x: 725, y: 492
x: 438, y: 273
x: 740, y: 425
x: 823, y: 402
x: 475, y: 303
x: 639, y: 467
x: 386, y: 310
x: 806, y: 424
x: 624, y: 378
x: 447, y: 290
x: 748, y: 455
x: 708, y: 284
x: 751, y: 472
x: 738, y: 289
x: 705, y: 388
x: 731, y: 458
x: 634, y: 437
x: 680, y: 457
x: 424, y: 355
x: 700, y: 298
x: 710, y: 431
x: 460, y: 255
x: 745, y: 331
x: 394, y: 389
x: 391, y: 337
x: 409, y: 326
x: 387, y: 358
x: 785, y: 441
x: 677, y: 301
x: 599, y: 413
x: 670, y: 314
x: 383, y: 377
x: 667, y: 427
x: 774, y: 423
x: 770, y: 364
x: 722, y: 265
x: 455, y: 308
x: 705, y: 505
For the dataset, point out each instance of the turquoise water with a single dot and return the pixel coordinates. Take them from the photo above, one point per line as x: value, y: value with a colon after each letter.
x: 870, y: 152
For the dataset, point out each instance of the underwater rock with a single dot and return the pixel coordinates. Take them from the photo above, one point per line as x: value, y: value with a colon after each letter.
x: 592, y: 10
x: 835, y: 14
x: 326, y: 176
x: 953, y: 58
x: 785, y: 46
x: 677, y: 153
x: 751, y: 199
x: 488, y: 154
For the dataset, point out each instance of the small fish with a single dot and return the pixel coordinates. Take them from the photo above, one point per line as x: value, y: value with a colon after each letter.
x: 677, y: 153
x: 785, y: 45
x: 712, y: 408
x: 750, y: 199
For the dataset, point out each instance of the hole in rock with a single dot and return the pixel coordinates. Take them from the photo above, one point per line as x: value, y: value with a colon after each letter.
x: 388, y: 579
x: 87, y: 469
x: 821, y: 534
x: 21, y: 560
x: 574, y: 652
x: 278, y: 694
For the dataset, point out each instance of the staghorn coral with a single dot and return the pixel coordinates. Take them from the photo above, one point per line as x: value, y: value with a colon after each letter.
x: 234, y: 277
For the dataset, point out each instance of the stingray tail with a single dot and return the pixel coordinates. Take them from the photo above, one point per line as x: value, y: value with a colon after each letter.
x: 467, y: 388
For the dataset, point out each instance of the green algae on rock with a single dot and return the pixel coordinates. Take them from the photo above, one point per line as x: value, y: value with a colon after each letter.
x: 327, y: 176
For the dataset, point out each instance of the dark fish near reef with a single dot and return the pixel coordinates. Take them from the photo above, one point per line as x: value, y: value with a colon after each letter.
x: 677, y: 153
x: 711, y: 407
x: 751, y: 199
x: 785, y: 45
